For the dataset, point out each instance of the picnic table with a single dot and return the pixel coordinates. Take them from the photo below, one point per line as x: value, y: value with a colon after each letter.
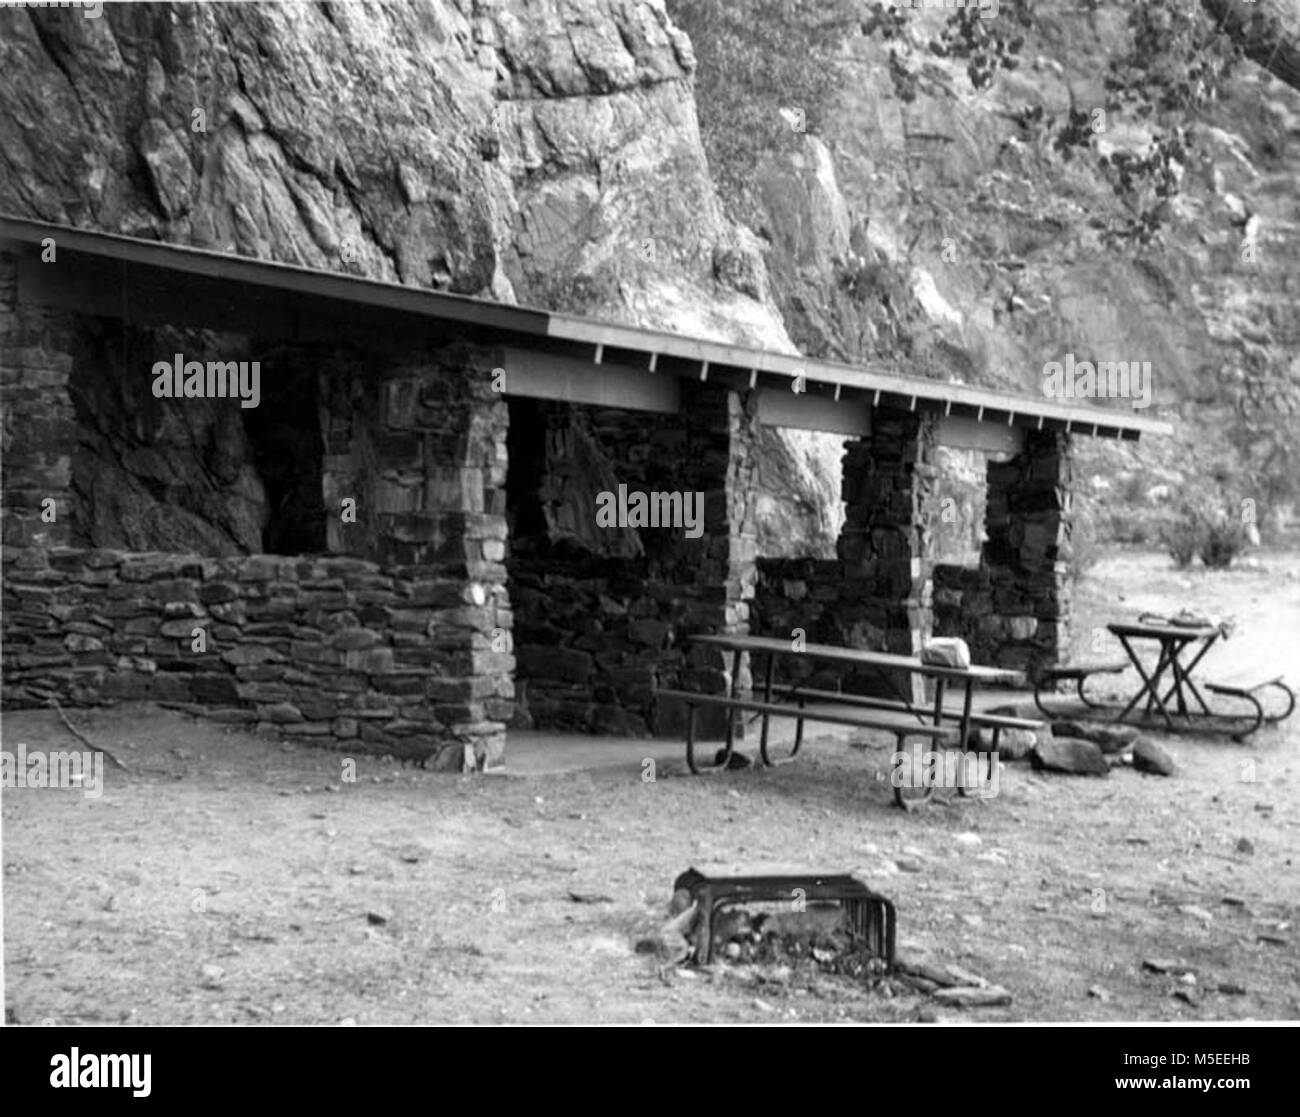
x: 1175, y: 641
x: 1168, y: 688
x: 927, y: 720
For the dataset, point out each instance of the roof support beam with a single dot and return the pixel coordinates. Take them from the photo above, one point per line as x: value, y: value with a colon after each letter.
x: 777, y: 408
x: 963, y: 433
x: 538, y: 375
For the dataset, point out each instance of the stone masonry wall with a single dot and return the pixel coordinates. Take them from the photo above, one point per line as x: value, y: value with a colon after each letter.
x: 404, y: 645
x: 828, y: 602
x: 876, y: 594
x: 419, y: 444
x: 886, y: 544
x: 963, y: 606
x: 1027, y: 552
x: 888, y: 594
x: 338, y: 650
x: 37, y: 428
x: 595, y: 637
x: 597, y: 630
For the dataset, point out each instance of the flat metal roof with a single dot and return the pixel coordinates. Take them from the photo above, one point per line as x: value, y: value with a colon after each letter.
x: 233, y: 278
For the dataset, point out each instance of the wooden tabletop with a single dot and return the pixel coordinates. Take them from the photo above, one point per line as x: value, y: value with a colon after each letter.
x: 1165, y: 631
x: 771, y: 645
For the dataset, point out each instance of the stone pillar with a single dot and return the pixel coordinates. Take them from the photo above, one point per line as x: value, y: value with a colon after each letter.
x: 39, y: 432
x: 1027, y: 551
x: 717, y: 574
x: 885, y: 545
x: 682, y: 586
x: 420, y: 447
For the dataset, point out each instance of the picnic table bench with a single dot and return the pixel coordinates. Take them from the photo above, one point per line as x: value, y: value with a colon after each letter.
x: 1249, y: 692
x: 995, y: 722
x: 1079, y: 674
x: 694, y: 699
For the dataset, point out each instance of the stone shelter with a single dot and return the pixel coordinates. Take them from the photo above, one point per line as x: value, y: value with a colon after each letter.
x: 401, y: 536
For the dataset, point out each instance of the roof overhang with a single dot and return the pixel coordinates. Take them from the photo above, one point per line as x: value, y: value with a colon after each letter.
x: 116, y: 276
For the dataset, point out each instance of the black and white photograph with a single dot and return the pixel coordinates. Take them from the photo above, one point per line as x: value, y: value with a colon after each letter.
x: 651, y: 513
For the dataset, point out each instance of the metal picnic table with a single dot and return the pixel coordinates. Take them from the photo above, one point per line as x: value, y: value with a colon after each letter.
x: 1169, y: 688
x: 879, y: 662
x: 1175, y: 641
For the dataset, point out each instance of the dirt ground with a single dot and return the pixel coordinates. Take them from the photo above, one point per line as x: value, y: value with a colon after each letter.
x: 230, y: 879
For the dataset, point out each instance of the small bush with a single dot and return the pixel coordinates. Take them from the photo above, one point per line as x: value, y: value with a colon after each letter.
x: 1221, y: 542
x: 1182, y: 539
x: 1207, y: 530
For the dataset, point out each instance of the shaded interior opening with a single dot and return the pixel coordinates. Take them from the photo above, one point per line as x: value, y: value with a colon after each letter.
x: 288, y: 453
x: 192, y: 475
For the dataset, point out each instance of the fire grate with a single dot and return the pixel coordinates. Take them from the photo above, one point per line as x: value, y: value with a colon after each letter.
x: 868, y: 915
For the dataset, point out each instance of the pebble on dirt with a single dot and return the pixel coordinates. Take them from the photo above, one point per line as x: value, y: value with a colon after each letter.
x: 973, y: 996
x: 1161, y: 965
x: 590, y: 897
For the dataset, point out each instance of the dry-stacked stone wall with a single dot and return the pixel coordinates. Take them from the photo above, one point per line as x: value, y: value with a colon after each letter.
x: 595, y: 637
x: 1027, y: 554
x: 335, y: 649
x: 820, y: 601
x: 890, y: 491
x: 37, y: 428
x: 886, y: 592
x: 398, y: 640
x: 603, y: 616
x: 963, y: 606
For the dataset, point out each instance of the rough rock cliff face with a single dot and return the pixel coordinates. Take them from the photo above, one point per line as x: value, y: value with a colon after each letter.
x: 150, y: 476
x: 922, y: 218
x: 543, y: 152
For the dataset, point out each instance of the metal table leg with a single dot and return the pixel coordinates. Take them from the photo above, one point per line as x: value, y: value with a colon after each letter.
x: 690, y: 740
x: 1187, y: 672
x: 767, y: 697
x: 1149, y: 683
x: 1153, y: 692
x: 965, y: 714
x: 1175, y: 651
x: 963, y: 788
x: 731, y: 714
